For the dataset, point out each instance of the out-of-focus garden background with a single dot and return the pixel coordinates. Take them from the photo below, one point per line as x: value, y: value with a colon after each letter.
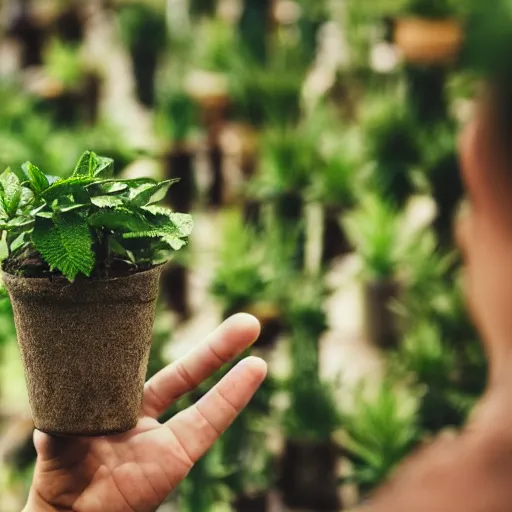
x: 315, y: 141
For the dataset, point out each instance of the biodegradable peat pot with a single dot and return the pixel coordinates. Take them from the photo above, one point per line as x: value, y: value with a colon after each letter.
x: 85, y: 349
x: 308, y: 476
x: 382, y: 324
x: 429, y: 41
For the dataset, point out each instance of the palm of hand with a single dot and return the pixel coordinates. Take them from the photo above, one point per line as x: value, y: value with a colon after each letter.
x: 136, y: 471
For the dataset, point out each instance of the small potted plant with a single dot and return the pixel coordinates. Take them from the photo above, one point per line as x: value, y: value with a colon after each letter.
x: 430, y: 31
x: 391, y: 146
x: 82, y: 269
x: 176, y: 121
x: 246, y: 281
x: 335, y: 186
x: 308, y: 473
x: 244, y: 451
x: 213, y: 60
x: 24, y: 27
x: 442, y: 170
x: 69, y: 24
x: 379, y: 431
x: 431, y: 364
x: 375, y: 229
x: 144, y: 31
x: 74, y: 87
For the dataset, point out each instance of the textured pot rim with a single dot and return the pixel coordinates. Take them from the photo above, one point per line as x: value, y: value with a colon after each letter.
x: 59, y: 280
x: 128, y: 288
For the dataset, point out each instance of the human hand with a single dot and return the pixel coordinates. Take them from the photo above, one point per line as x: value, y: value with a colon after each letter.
x: 136, y: 471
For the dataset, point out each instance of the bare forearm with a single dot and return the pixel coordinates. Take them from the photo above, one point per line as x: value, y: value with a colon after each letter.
x: 468, y: 474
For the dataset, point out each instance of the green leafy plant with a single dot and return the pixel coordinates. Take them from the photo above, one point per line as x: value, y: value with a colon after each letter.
x: 219, y: 50
x: 89, y: 224
x: 392, y: 147
x: 177, y: 116
x: 143, y: 26
x: 64, y: 64
x: 267, y: 95
x: 289, y: 161
x: 433, y: 366
x: 375, y: 230
x: 380, y: 431
x: 336, y: 181
x: 428, y: 271
x: 313, y: 411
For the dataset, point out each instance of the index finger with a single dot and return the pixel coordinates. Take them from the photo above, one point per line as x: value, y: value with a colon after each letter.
x: 231, y: 339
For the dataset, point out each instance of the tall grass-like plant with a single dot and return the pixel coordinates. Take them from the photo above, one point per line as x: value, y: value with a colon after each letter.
x: 381, y: 430
x: 177, y: 116
x: 375, y: 230
x: 392, y: 147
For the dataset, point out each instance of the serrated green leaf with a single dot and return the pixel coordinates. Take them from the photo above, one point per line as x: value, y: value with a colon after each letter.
x: 182, y: 223
x: 118, y: 220
x: 106, y: 201
x: 87, y: 165
x: 38, y: 181
x: 45, y: 215
x: 148, y: 194
x: 104, y: 166
x: 174, y: 243
x: 20, y: 241
x: 9, y: 182
x: 67, y: 187
x: 11, y: 197
x: 20, y: 222
x: 113, y: 188
x: 130, y: 183
x: 148, y: 233
x: 72, y: 208
x: 65, y: 243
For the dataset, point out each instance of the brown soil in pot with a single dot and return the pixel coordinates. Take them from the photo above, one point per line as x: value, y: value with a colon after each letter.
x: 85, y: 349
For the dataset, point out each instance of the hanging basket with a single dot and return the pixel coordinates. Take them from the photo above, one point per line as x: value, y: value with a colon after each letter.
x: 429, y: 41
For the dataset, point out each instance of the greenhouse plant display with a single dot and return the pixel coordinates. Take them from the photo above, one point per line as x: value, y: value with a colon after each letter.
x: 308, y: 474
x: 83, y: 263
x: 375, y: 231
